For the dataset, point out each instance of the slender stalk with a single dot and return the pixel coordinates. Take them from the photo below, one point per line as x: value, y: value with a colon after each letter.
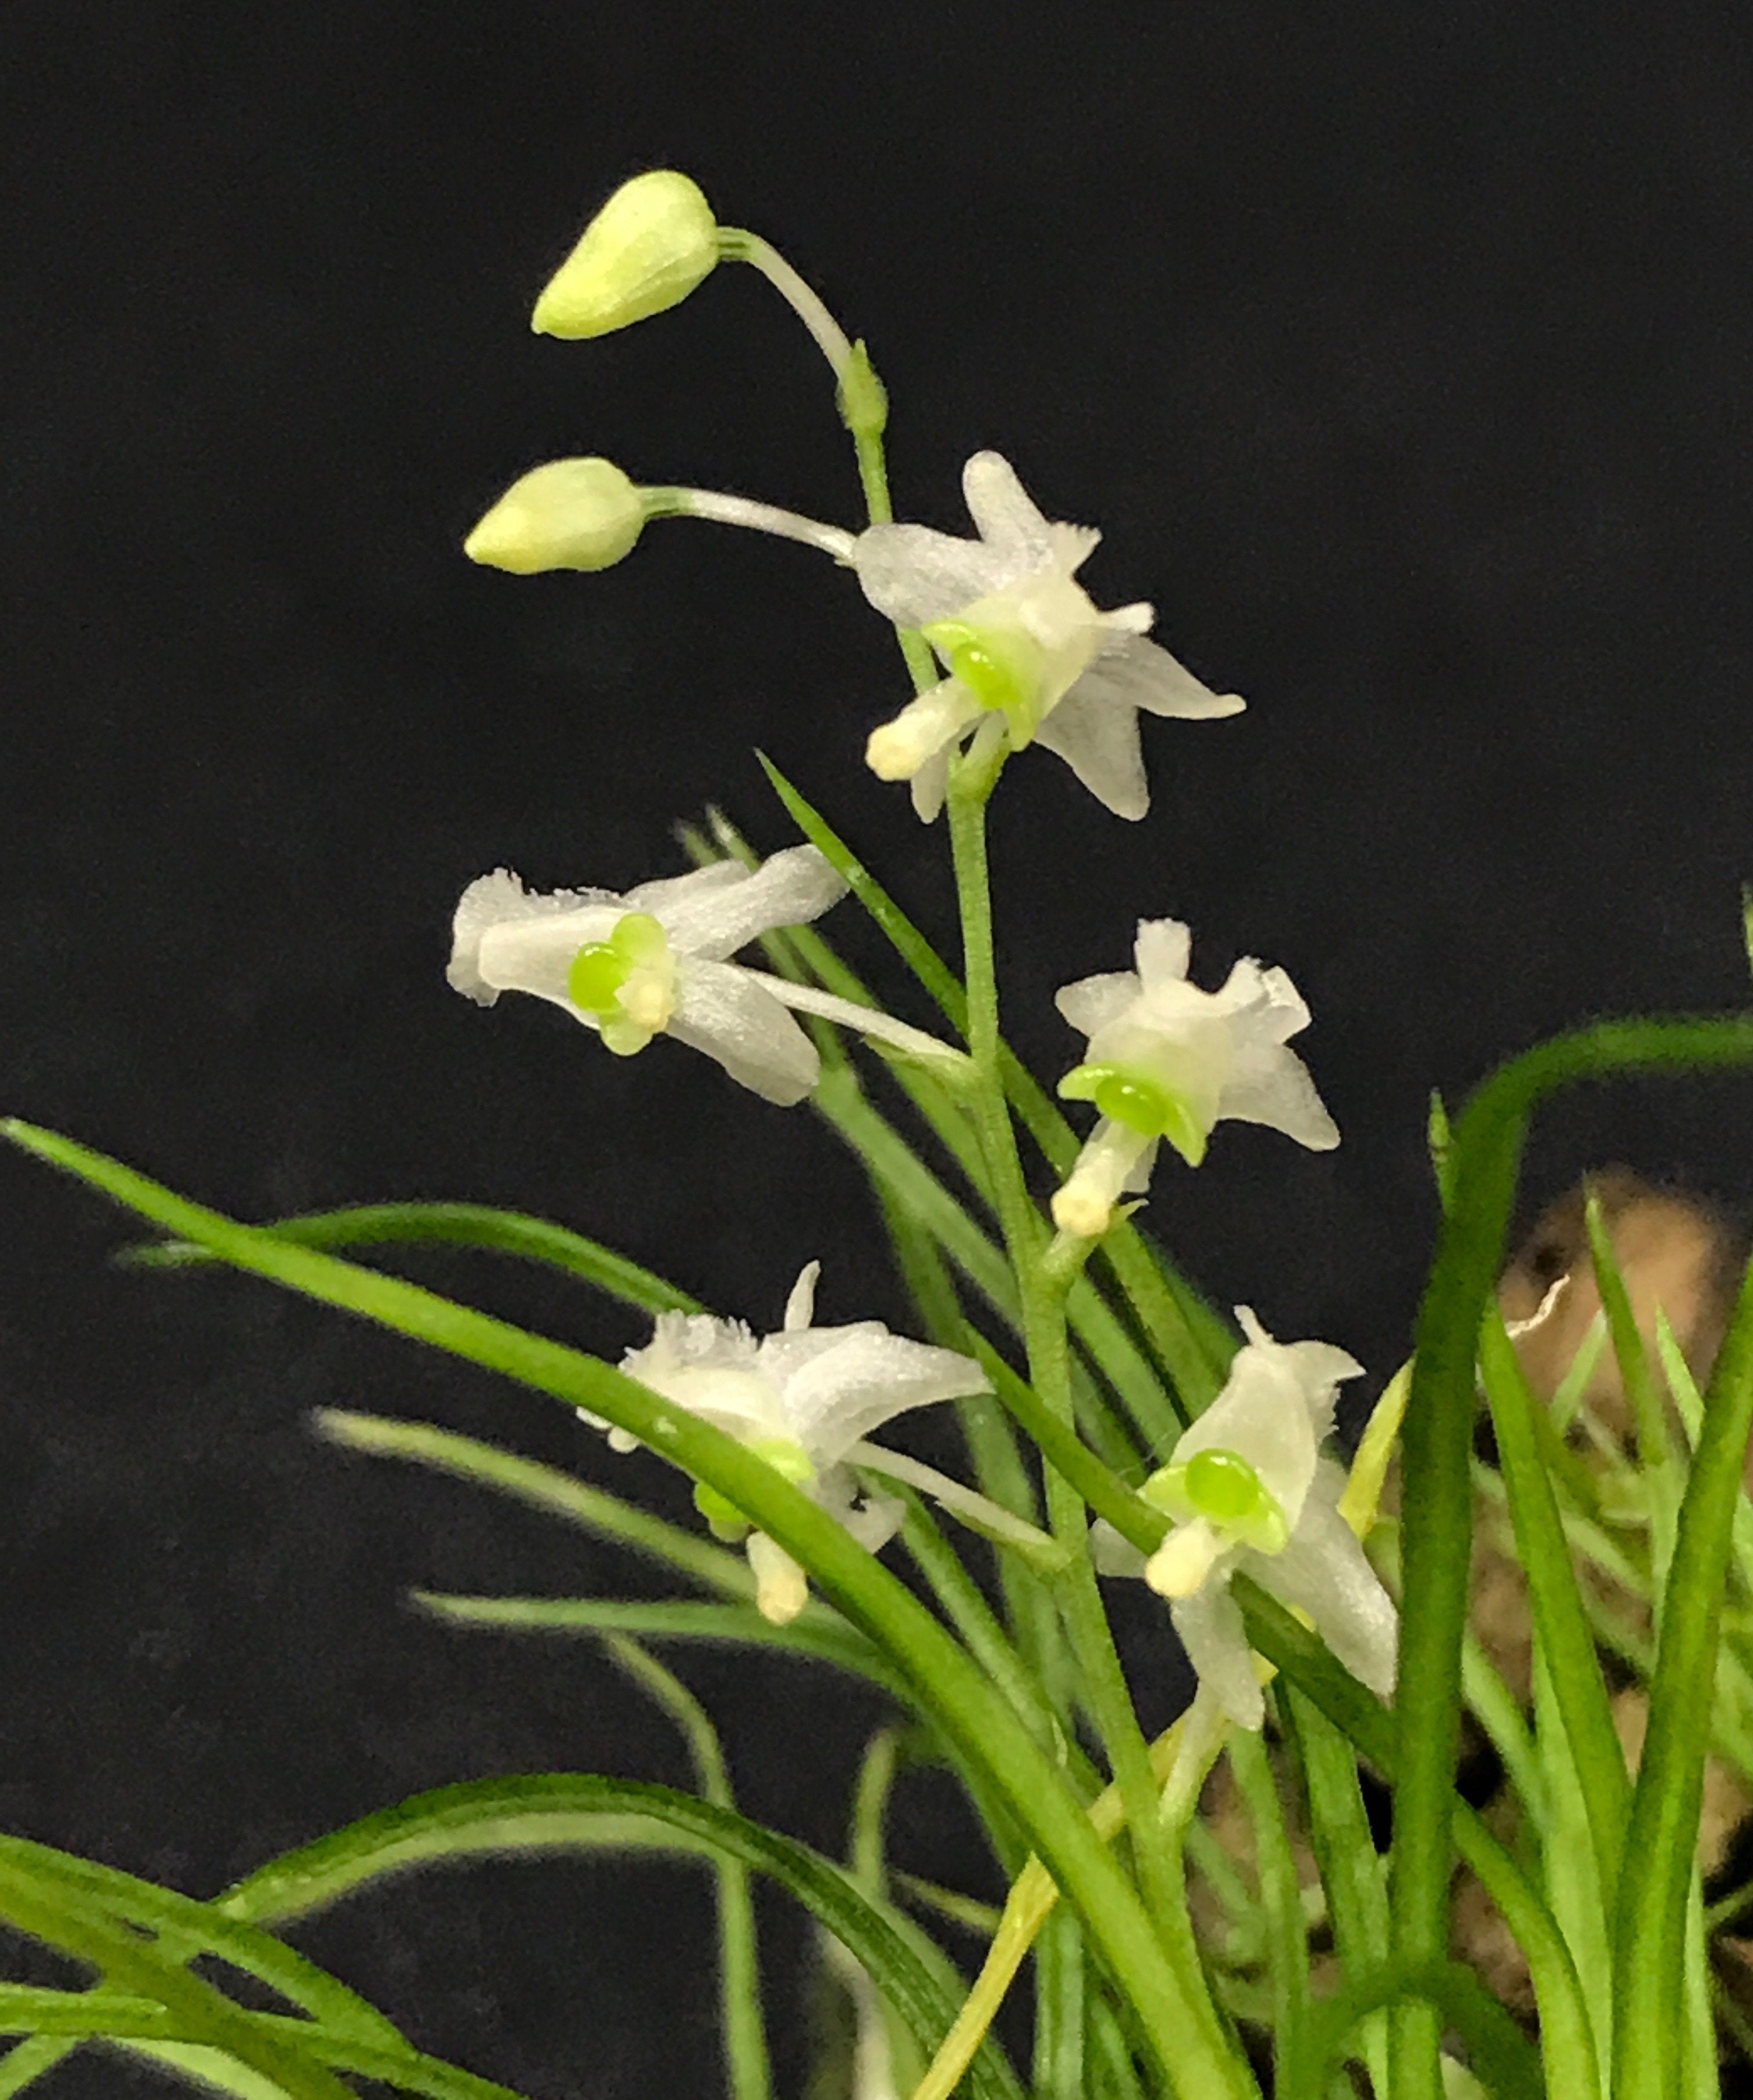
x: 735, y: 243
x: 863, y: 402
x: 1045, y: 1336
x: 752, y: 516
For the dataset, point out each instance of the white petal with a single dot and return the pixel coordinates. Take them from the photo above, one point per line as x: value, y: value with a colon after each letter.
x: 715, y: 919
x: 500, y: 899
x: 1098, y: 738
x: 1270, y: 1085
x: 1073, y: 545
x: 931, y: 785
x: 1322, y: 1572
x: 711, y: 1368
x: 913, y: 574
x: 1141, y: 674
x: 674, y: 893
x: 721, y: 1010
x: 800, y: 1306
x: 1162, y: 949
x: 1212, y: 1632
x: 1006, y: 518
x: 1091, y: 1003
x: 836, y: 1395
x: 1272, y: 1005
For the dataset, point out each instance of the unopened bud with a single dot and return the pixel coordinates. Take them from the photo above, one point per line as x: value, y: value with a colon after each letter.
x: 572, y: 514
x: 647, y: 249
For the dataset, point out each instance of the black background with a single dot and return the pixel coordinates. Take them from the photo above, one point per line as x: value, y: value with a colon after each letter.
x: 1401, y: 355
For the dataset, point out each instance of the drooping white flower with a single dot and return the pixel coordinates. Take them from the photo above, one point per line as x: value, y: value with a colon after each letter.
x: 656, y: 962
x: 804, y: 1399
x: 1249, y: 1491
x: 1024, y: 646
x: 1167, y: 1060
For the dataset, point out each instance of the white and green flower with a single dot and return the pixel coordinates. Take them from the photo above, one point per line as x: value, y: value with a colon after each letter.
x: 656, y: 961
x: 804, y: 1400
x: 1249, y: 1493
x: 1165, y: 1060
x: 1025, y: 649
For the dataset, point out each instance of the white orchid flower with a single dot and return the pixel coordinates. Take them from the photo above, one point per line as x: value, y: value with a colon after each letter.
x: 1167, y: 1060
x: 656, y: 962
x: 804, y: 1399
x: 1250, y: 1492
x: 1023, y: 645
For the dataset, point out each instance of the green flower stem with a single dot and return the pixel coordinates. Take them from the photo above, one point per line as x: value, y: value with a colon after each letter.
x: 1649, y: 1929
x: 903, y: 1176
x: 1192, y: 1342
x: 1438, y: 1437
x: 967, y: 1610
x: 739, y: 1975
x: 1049, y: 1373
x: 863, y: 403
x: 972, y: 1715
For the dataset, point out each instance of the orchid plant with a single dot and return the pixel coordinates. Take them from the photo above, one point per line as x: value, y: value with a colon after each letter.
x: 1114, y: 1425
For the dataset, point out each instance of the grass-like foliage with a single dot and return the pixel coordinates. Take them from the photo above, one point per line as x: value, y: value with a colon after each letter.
x: 1209, y: 1915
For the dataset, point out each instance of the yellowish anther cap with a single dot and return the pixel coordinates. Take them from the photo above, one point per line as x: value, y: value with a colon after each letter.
x: 647, y: 249
x: 572, y: 514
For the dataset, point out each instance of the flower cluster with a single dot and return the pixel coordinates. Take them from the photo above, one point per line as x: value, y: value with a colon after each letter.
x: 1026, y: 657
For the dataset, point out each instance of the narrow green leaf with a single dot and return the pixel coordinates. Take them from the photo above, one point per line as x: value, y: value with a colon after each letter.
x: 30, y: 2058
x: 1502, y: 2055
x: 1352, y: 1871
x: 1650, y: 1925
x: 1286, y: 1935
x: 1580, y: 1694
x: 974, y: 1718
x: 545, y: 1488
x: 25, y: 2010
x: 815, y: 1632
x: 542, y: 1811
x: 452, y: 1224
x: 739, y: 1959
x: 43, y: 1903
x: 184, y: 1927
x: 1487, y: 1144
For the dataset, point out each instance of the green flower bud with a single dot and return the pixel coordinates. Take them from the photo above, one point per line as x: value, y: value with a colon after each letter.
x: 572, y: 514
x: 649, y: 246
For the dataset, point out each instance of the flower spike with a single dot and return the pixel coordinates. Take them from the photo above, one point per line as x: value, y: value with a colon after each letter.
x: 648, y: 248
x: 804, y: 1399
x: 1249, y: 1492
x: 1023, y: 646
x: 1165, y: 1060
